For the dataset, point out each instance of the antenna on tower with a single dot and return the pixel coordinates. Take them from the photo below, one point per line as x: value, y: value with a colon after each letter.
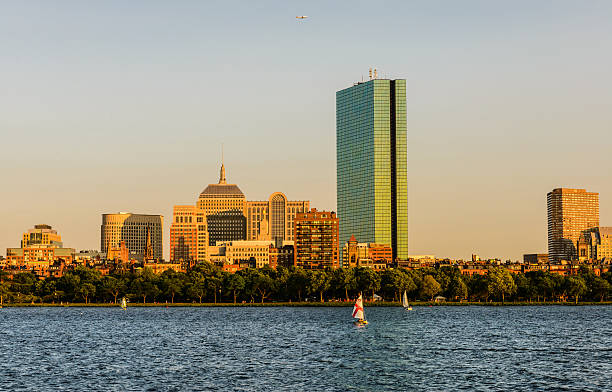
x: 375, y: 74
x: 370, y: 73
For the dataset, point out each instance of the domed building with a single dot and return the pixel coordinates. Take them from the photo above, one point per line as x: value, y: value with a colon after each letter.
x: 223, y: 205
x: 222, y: 214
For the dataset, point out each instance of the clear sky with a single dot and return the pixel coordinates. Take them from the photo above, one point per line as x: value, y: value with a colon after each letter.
x: 123, y: 105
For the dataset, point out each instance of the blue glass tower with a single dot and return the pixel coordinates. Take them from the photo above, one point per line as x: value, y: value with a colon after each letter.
x: 371, y: 156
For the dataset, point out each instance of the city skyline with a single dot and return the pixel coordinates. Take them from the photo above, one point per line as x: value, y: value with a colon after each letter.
x: 134, y: 122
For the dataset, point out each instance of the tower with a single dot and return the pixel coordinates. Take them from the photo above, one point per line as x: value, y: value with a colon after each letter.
x: 371, y: 157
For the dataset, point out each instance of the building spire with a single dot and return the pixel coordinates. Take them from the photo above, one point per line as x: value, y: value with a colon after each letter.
x: 222, y: 174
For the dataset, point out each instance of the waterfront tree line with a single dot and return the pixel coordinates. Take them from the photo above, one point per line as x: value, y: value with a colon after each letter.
x: 208, y: 283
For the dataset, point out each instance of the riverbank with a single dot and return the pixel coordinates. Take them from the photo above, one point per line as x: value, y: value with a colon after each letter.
x: 302, y: 304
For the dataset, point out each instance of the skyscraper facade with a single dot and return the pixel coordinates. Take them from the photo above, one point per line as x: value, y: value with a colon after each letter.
x: 570, y: 212
x: 372, y: 190
x: 316, y: 240
x: 273, y: 219
x: 136, y: 230
x: 188, y: 234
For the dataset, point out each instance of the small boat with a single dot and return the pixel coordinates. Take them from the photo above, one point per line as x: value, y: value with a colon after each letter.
x: 405, y: 303
x: 358, y: 312
x: 123, y: 303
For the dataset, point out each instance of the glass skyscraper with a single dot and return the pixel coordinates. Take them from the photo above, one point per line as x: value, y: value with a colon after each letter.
x: 371, y: 164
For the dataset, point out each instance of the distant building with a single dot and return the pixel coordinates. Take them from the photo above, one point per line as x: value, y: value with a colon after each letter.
x: 372, y: 255
x: 316, y: 239
x: 41, y: 252
x: 570, y: 213
x: 223, y: 205
x: 43, y: 236
x: 273, y: 219
x: 535, y: 258
x: 595, y: 244
x: 372, y: 189
x: 188, y: 235
x: 282, y: 255
x: 135, y: 230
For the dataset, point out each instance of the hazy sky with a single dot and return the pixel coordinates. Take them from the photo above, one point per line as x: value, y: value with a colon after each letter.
x: 123, y: 105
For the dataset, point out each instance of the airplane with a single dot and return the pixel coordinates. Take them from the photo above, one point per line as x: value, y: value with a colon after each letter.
x: 301, y: 17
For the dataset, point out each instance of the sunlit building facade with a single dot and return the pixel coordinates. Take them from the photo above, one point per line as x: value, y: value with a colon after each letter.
x: 136, y: 231
x: 188, y: 234
x: 316, y: 240
x: 570, y: 213
x: 372, y: 191
x: 274, y: 218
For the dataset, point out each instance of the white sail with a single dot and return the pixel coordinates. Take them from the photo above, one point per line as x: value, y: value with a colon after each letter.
x: 358, y: 312
x: 123, y: 303
x: 405, y: 300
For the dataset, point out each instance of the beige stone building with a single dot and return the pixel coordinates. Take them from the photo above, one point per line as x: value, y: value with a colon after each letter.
x: 273, y: 219
x: 595, y: 244
x: 136, y: 230
x: 570, y: 213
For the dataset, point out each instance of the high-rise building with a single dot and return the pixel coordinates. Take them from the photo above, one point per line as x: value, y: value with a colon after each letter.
x: 316, y: 239
x: 595, y: 244
x: 136, y: 230
x: 273, y: 219
x: 188, y: 234
x: 223, y: 205
x: 41, y: 236
x: 570, y: 212
x: 372, y: 190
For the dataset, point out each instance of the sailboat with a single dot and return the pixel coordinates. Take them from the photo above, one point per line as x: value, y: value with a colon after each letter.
x: 405, y: 303
x: 358, y: 312
x: 123, y: 303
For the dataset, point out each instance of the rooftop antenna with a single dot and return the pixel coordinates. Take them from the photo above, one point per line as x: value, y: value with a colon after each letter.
x: 375, y: 74
x: 370, y: 73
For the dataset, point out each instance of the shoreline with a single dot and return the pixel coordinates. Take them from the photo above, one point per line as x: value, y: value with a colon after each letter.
x: 299, y: 304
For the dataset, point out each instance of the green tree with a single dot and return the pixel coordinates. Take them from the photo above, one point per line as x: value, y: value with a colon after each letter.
x: 87, y: 290
x: 263, y: 284
x: 4, y: 290
x: 113, y: 286
x: 575, y: 286
x: 297, y: 281
x: 500, y: 282
x: 600, y: 288
x: 457, y: 289
x: 213, y: 284
x: 367, y: 279
x: 197, y: 288
x: 234, y: 283
x: 318, y: 282
x: 343, y: 279
x: 430, y: 287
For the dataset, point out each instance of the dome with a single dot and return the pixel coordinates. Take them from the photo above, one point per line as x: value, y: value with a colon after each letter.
x: 216, y: 190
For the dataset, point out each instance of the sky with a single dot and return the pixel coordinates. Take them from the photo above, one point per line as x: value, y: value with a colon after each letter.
x: 124, y: 105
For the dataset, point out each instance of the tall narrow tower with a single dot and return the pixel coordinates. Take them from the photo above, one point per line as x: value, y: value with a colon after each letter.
x: 570, y: 212
x: 372, y: 189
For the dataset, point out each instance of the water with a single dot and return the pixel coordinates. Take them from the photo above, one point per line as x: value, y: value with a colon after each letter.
x: 306, y: 349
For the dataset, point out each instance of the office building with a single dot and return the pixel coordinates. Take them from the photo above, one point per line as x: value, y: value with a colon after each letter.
x: 361, y: 254
x: 570, y: 213
x: 223, y: 205
x: 188, y: 235
x: 273, y: 219
x: 139, y: 232
x: 595, y: 244
x: 316, y: 239
x: 372, y: 191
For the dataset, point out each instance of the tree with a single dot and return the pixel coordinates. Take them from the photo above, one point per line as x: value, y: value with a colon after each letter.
x: 213, y: 283
x: 113, y: 286
x: 86, y: 290
x: 296, y: 282
x: 600, y: 288
x: 144, y: 286
x: 343, y: 279
x: 500, y: 282
x: 234, y: 283
x: 457, y: 288
x: 197, y: 288
x: 263, y: 284
x: 367, y: 279
x: 318, y: 282
x: 4, y: 291
x: 430, y: 287
x: 575, y: 286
